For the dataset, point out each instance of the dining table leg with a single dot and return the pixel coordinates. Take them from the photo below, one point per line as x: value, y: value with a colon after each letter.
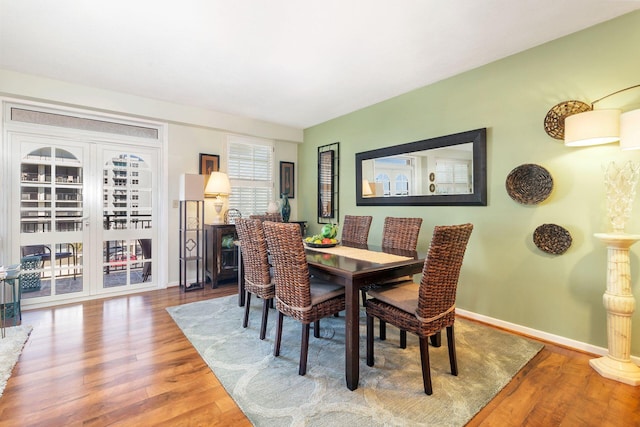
x: 352, y: 335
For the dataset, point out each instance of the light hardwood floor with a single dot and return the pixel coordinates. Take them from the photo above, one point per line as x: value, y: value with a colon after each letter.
x: 123, y: 361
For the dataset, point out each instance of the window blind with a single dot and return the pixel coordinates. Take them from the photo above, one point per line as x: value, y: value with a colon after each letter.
x: 453, y: 176
x: 250, y: 170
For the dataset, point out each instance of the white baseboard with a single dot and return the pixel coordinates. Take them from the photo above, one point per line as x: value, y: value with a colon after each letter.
x: 556, y: 339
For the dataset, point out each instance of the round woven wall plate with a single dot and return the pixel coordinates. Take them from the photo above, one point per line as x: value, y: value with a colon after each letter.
x: 552, y: 239
x: 529, y: 184
x: 554, y: 120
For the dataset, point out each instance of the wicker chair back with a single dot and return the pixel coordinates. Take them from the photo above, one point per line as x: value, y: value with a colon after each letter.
x: 290, y: 268
x: 401, y: 233
x: 273, y: 217
x: 441, y: 271
x: 355, y: 229
x: 254, y: 257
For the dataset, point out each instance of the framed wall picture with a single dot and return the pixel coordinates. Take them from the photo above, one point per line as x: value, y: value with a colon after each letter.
x: 209, y: 163
x: 287, y: 179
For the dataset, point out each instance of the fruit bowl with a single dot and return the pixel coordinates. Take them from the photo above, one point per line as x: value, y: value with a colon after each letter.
x: 321, y: 245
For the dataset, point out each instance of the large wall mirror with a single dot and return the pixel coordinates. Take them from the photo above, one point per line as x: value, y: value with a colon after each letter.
x: 448, y: 170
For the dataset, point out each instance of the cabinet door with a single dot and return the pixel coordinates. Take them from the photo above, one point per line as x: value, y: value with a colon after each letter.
x: 228, y: 251
x: 222, y: 259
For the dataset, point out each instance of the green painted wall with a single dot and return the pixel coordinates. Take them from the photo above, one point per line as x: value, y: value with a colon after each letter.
x: 505, y: 276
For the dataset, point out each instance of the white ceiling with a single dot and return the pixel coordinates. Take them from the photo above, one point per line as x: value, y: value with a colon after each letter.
x: 292, y: 62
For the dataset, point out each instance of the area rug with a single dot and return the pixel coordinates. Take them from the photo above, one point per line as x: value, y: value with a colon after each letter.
x: 10, y: 348
x: 270, y: 392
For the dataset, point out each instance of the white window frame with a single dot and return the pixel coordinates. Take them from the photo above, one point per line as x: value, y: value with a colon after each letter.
x: 242, y: 186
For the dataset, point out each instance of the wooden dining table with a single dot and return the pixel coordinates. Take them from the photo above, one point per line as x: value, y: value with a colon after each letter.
x: 354, y: 266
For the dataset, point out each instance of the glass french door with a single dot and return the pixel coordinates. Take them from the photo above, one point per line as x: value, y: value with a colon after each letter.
x: 49, y: 175
x: 127, y: 215
x: 85, y: 221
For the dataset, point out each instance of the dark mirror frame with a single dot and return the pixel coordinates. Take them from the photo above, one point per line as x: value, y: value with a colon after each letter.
x: 328, y: 183
x: 479, y: 196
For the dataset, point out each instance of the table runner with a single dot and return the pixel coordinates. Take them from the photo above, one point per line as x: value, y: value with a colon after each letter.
x: 363, y: 254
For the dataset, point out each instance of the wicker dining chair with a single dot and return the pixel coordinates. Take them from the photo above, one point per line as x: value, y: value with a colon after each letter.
x: 355, y: 229
x: 425, y: 309
x: 298, y: 295
x: 273, y: 217
x: 255, y: 262
x: 402, y: 234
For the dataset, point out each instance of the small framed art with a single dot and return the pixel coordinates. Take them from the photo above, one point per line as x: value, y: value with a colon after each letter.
x: 287, y: 179
x: 209, y: 163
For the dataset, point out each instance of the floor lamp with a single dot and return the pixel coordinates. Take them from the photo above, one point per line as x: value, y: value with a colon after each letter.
x: 580, y: 125
x: 618, y: 299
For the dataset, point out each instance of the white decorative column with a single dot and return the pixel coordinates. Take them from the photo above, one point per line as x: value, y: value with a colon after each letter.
x: 620, y: 305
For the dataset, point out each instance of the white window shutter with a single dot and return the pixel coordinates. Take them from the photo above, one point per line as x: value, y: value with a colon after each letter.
x: 250, y: 170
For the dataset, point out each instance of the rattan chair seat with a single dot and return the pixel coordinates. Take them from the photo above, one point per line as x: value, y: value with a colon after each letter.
x: 403, y: 295
x: 407, y: 321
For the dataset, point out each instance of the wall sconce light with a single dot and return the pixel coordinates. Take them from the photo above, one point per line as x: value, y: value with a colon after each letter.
x: 218, y: 185
x: 578, y: 124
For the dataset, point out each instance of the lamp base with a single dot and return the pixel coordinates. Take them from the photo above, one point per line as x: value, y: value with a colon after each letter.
x: 619, y: 302
x: 218, y: 208
x: 623, y: 371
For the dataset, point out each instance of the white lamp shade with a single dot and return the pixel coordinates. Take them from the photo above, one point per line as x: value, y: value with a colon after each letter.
x: 592, y: 128
x: 630, y: 130
x: 191, y: 187
x: 217, y: 185
x: 366, y: 188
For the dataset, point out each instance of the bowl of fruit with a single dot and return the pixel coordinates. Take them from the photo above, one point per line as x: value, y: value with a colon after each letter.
x: 326, y: 238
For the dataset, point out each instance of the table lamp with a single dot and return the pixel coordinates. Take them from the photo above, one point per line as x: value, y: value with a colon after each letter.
x: 218, y: 185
